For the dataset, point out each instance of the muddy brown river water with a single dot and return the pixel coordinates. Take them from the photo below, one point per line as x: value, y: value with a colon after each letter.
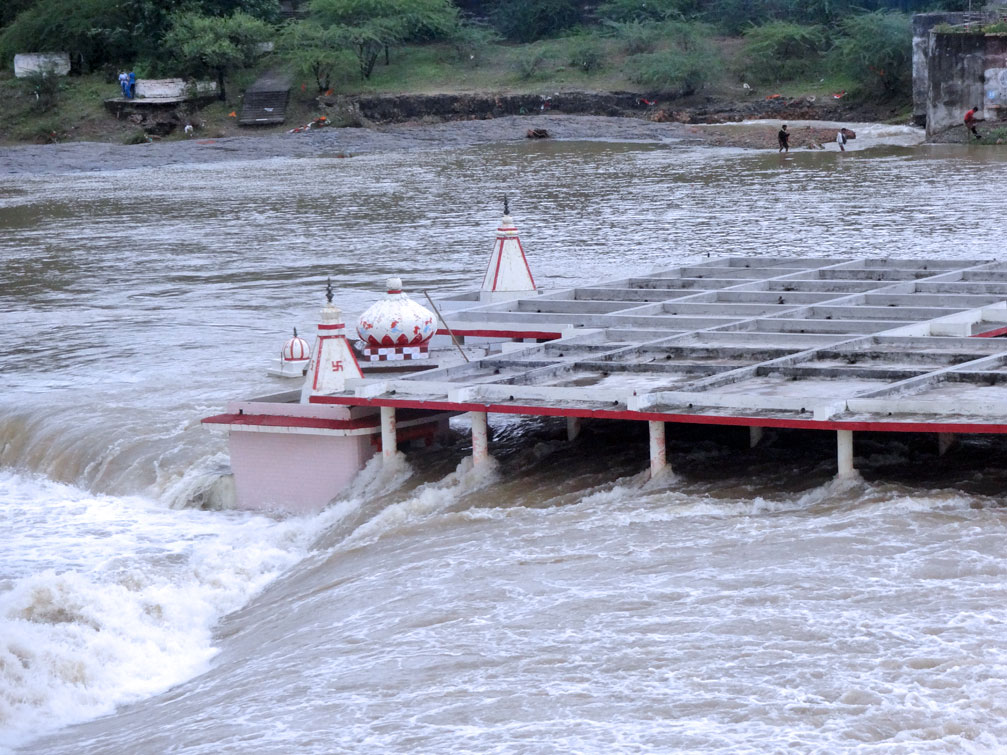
x: 560, y: 602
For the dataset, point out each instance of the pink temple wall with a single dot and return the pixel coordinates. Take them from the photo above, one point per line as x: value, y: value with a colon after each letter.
x: 294, y: 472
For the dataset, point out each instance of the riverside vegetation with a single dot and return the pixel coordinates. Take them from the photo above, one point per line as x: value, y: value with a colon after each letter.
x: 677, y: 51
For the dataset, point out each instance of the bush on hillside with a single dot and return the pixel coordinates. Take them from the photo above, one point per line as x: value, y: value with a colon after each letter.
x: 531, y: 20
x: 471, y: 40
x: 673, y: 72
x: 782, y: 51
x: 586, y: 54
x: 42, y: 89
x: 529, y: 63
x: 875, y: 50
x: 634, y: 36
x: 623, y: 11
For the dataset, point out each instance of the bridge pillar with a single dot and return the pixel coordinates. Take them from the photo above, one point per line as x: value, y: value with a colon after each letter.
x: 754, y: 436
x: 573, y: 425
x: 658, y: 449
x: 480, y: 438
x: 944, y: 442
x: 844, y: 453
x: 388, y: 433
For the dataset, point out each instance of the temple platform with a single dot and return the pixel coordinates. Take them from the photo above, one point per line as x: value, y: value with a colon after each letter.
x: 831, y: 344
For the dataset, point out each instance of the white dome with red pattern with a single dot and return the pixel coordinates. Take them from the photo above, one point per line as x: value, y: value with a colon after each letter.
x: 396, y: 320
x: 296, y: 349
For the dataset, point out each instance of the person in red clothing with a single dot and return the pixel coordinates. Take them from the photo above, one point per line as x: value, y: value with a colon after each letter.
x: 970, y: 121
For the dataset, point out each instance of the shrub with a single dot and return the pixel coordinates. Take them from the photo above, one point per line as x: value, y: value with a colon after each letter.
x: 875, y: 51
x: 530, y: 20
x: 529, y: 63
x: 587, y: 54
x: 471, y: 40
x: 634, y: 36
x: 676, y: 72
x: 624, y: 11
x: 780, y: 51
x: 42, y: 88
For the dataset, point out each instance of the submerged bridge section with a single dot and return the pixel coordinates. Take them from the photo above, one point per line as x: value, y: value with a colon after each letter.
x: 831, y: 344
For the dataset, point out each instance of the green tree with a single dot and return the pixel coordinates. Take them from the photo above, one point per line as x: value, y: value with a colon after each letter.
x: 875, y: 50
x: 63, y: 25
x: 646, y: 10
x: 11, y: 8
x: 369, y: 27
x: 530, y: 20
x: 780, y: 50
x: 313, y: 49
x: 210, y: 46
x: 691, y: 61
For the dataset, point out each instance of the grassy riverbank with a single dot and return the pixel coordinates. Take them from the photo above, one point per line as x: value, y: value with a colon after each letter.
x: 542, y: 68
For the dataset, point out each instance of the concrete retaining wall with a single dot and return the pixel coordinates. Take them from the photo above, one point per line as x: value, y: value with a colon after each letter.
x: 172, y: 88
x: 28, y: 63
x: 922, y: 25
x: 964, y: 70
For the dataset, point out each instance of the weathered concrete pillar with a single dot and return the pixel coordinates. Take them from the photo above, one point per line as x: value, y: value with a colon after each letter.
x: 844, y: 444
x: 388, y: 433
x: 480, y: 438
x: 658, y: 450
x: 754, y: 436
x: 944, y: 442
x: 572, y: 427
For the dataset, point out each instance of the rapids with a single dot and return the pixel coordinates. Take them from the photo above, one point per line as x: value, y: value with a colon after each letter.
x: 558, y: 602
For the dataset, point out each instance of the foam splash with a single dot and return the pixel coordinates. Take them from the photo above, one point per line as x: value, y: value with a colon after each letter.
x: 426, y: 500
x: 107, y: 600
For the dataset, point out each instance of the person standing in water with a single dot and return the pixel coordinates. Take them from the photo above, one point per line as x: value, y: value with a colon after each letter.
x: 784, y: 138
x: 841, y: 139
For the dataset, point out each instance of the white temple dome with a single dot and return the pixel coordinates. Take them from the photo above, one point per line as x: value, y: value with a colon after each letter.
x: 295, y: 350
x: 396, y: 320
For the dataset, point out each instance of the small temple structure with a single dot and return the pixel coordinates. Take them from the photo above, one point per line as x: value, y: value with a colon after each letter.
x: 508, y: 275
x: 296, y: 450
x: 332, y: 360
x: 293, y: 359
x: 395, y: 328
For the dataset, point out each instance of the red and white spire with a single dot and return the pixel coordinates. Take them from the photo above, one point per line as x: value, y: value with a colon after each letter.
x: 332, y: 360
x: 507, y: 275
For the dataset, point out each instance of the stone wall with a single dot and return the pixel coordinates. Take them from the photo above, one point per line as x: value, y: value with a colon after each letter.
x: 172, y: 88
x: 27, y: 63
x: 964, y: 70
x: 922, y: 24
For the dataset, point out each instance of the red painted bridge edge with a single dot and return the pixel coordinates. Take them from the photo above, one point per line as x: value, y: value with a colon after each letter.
x: 692, y: 419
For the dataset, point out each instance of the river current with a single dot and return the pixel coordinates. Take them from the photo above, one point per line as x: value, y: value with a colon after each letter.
x: 560, y: 602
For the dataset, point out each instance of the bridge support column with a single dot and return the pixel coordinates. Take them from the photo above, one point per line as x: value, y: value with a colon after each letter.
x: 658, y: 449
x: 844, y: 453
x: 573, y: 425
x: 480, y: 438
x: 944, y: 442
x: 754, y: 436
x: 388, y: 434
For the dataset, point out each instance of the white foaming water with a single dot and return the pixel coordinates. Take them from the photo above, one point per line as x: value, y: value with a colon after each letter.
x: 561, y: 602
x: 107, y: 600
